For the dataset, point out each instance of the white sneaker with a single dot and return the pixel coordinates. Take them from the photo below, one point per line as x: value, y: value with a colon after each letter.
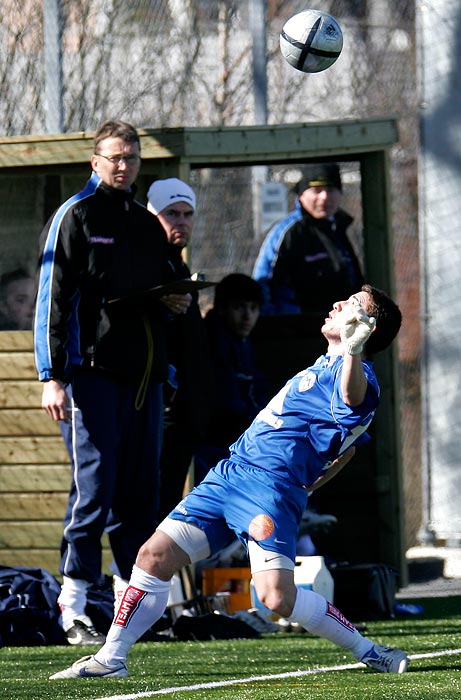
x: 88, y: 667
x: 386, y: 659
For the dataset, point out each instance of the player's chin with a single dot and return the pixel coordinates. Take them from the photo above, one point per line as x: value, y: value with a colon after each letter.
x: 329, y: 328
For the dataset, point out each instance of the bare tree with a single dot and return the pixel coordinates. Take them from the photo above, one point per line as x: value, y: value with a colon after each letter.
x: 171, y: 63
x: 21, y: 70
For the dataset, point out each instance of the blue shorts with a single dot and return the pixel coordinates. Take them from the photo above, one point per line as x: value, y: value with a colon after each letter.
x: 247, y: 502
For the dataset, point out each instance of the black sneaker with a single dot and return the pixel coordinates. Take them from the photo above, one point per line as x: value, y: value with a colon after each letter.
x: 81, y: 634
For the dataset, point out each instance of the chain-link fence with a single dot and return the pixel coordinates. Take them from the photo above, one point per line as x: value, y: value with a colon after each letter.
x: 171, y: 63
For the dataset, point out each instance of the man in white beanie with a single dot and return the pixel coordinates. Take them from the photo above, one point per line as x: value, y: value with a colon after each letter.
x: 185, y: 419
x: 163, y: 193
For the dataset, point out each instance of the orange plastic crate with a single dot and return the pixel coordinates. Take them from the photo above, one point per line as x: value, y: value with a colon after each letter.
x: 234, y: 580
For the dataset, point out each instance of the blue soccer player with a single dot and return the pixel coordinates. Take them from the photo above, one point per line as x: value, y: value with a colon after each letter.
x: 305, y: 435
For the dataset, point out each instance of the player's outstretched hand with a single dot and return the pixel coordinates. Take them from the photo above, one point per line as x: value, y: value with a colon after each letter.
x: 357, y: 328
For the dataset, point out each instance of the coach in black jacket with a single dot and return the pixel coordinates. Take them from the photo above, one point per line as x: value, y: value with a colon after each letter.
x: 103, y: 363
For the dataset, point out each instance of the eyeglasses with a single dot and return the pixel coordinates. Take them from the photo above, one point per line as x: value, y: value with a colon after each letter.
x: 132, y: 159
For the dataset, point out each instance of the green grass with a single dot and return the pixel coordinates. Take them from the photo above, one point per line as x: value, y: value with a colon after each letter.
x: 155, y: 666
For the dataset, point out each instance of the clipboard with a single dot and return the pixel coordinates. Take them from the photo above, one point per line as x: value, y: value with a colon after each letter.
x: 185, y: 286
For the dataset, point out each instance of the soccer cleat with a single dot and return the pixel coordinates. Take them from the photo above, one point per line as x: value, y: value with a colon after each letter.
x: 81, y: 634
x: 386, y: 659
x: 88, y: 667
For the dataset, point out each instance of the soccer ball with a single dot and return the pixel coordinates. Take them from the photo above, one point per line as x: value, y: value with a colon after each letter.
x: 311, y: 41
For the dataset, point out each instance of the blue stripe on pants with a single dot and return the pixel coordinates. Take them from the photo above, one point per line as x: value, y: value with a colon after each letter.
x: 115, y: 453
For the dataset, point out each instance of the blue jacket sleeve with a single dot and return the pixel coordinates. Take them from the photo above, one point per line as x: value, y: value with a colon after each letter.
x: 267, y: 259
x: 57, y: 296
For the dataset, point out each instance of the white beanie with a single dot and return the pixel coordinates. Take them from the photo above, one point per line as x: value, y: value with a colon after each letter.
x: 162, y: 193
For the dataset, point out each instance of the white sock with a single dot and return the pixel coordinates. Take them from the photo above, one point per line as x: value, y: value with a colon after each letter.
x: 143, y: 604
x: 320, y: 617
x: 120, y: 585
x: 72, y: 601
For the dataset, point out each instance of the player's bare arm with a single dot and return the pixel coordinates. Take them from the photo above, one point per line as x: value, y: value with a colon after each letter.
x: 334, y: 469
x: 353, y: 380
x: 355, y: 329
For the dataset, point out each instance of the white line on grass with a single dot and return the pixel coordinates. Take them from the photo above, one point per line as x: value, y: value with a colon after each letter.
x: 253, y: 679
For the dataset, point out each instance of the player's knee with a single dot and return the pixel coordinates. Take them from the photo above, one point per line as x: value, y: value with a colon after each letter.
x: 277, y: 601
x: 148, y: 556
x: 160, y: 556
x: 152, y: 555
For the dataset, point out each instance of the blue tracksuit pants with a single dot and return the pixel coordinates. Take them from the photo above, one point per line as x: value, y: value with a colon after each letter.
x: 115, y: 453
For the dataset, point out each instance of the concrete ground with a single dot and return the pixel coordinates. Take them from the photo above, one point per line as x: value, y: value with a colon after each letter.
x: 434, y: 572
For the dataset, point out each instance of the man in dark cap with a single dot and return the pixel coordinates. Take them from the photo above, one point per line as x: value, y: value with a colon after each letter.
x: 306, y: 260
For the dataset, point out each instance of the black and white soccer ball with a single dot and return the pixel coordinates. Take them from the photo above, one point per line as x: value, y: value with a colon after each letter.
x: 311, y: 41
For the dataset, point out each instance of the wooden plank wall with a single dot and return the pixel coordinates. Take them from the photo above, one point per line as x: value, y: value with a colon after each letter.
x: 34, y: 465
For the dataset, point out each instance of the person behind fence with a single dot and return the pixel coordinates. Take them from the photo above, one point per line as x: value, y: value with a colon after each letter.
x: 240, y: 387
x: 173, y: 202
x: 305, y: 435
x: 17, y: 300
x: 102, y: 365
x: 306, y: 260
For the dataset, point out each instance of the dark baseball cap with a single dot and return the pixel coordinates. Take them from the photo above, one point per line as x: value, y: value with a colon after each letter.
x: 319, y: 175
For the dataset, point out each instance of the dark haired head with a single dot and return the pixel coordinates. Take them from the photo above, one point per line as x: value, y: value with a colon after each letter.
x: 116, y: 129
x: 388, y: 319
x: 237, y: 286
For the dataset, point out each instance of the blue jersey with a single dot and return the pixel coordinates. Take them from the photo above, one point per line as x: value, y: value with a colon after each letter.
x: 307, y: 424
x: 259, y: 493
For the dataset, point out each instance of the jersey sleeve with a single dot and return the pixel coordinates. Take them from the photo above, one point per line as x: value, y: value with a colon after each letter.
x: 363, y: 413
